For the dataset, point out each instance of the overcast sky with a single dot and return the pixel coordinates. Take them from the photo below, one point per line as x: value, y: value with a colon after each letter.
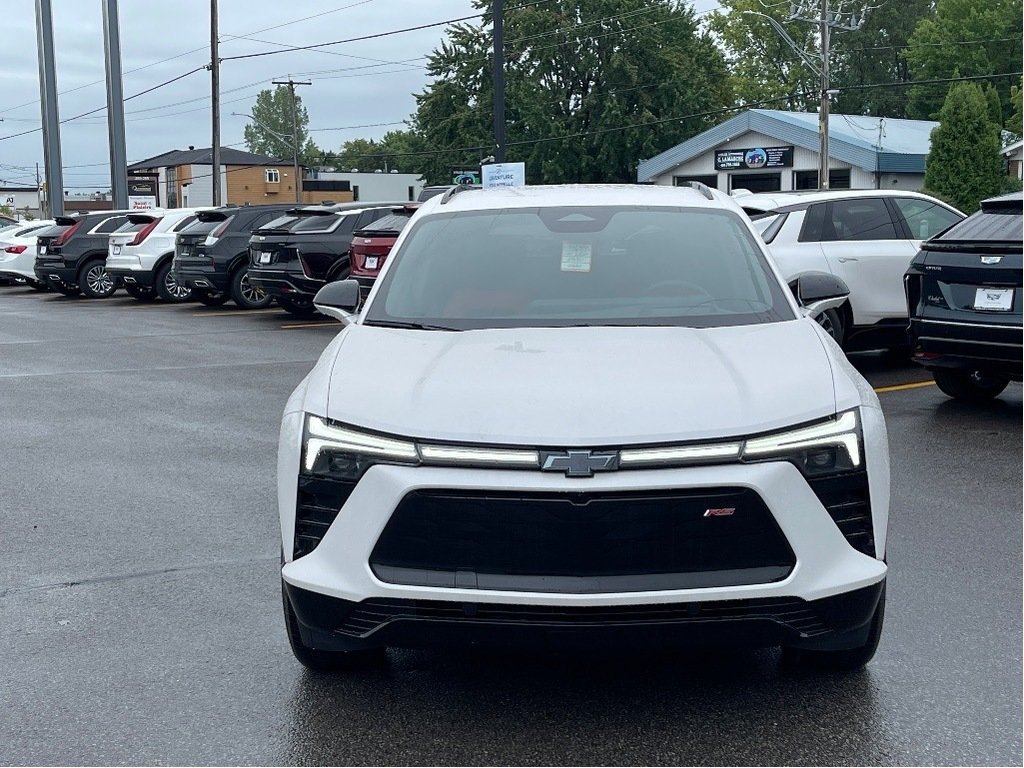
x: 354, y: 84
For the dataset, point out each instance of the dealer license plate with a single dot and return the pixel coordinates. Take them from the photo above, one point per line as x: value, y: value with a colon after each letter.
x: 999, y: 299
x: 264, y: 258
x: 371, y: 262
x: 185, y: 250
x: 42, y: 250
x: 116, y: 249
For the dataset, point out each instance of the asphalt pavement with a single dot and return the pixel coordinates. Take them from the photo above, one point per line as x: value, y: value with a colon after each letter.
x: 140, y: 618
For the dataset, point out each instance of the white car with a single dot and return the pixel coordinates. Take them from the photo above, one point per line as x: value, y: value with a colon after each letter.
x: 865, y: 237
x: 582, y: 413
x: 18, y: 251
x: 140, y: 253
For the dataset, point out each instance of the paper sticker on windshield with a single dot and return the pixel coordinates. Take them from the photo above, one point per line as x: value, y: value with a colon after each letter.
x: 575, y: 257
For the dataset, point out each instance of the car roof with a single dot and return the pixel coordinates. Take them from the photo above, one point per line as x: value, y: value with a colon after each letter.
x: 578, y: 195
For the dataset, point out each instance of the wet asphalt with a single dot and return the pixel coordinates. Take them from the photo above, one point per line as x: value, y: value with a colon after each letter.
x: 140, y: 617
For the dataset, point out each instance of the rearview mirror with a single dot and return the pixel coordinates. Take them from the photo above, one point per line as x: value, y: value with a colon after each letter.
x: 339, y: 300
x: 817, y: 292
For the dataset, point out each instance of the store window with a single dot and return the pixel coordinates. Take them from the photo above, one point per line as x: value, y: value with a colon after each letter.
x: 710, y: 180
x: 756, y: 182
x: 838, y: 178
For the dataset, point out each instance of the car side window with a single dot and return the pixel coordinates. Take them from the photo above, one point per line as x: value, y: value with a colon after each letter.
x: 861, y: 218
x: 925, y: 218
x: 109, y: 225
x: 368, y: 217
x: 810, y: 232
x: 347, y: 225
x: 263, y: 218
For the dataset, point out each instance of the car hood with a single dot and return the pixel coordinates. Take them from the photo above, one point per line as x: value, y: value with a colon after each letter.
x: 581, y: 386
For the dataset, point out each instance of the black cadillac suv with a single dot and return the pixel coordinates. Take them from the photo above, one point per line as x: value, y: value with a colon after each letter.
x: 295, y: 255
x: 211, y: 255
x: 71, y: 255
x: 964, y: 296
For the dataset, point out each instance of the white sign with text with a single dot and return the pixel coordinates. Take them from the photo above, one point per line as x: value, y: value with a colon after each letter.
x: 503, y: 175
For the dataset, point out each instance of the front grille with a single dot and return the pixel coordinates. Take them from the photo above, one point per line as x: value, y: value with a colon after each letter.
x: 848, y: 501
x: 794, y: 613
x: 582, y: 542
x: 318, y: 503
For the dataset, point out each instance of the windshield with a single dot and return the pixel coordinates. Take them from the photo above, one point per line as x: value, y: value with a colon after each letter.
x: 579, y: 266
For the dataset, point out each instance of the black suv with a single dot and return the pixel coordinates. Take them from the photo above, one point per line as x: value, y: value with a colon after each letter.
x: 294, y: 256
x: 71, y: 255
x: 211, y: 255
x: 964, y: 296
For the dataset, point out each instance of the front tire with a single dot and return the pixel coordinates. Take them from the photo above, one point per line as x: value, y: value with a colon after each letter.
x: 209, y: 298
x: 245, y: 294
x: 169, y: 289
x: 140, y: 292
x: 298, y: 307
x: 848, y: 659
x: 972, y: 386
x: 316, y: 660
x: 95, y: 282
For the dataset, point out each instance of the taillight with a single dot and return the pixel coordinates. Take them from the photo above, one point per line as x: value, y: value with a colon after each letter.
x: 144, y: 232
x: 65, y: 235
x: 221, y: 229
x: 15, y: 248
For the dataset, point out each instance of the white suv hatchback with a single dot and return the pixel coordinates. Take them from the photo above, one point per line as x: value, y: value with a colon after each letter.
x: 18, y: 251
x: 865, y: 237
x: 582, y: 413
x: 140, y: 254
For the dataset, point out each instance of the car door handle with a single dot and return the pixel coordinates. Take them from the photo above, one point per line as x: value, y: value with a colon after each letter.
x: 844, y: 259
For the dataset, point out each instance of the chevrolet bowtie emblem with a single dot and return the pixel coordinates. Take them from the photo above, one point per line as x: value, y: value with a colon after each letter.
x: 580, y: 463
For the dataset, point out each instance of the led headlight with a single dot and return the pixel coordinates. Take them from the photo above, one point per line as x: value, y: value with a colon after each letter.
x: 334, y: 450
x: 826, y: 447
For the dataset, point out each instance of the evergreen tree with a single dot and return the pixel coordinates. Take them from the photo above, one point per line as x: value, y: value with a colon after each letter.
x: 271, y: 133
x: 576, y: 72
x: 964, y: 164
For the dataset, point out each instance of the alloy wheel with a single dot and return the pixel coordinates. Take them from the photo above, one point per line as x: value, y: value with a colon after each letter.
x: 176, y: 290
x: 249, y: 291
x: 99, y: 282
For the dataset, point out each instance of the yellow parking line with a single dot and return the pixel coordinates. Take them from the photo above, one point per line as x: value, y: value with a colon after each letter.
x: 233, y: 312
x: 308, y: 325
x: 900, y: 387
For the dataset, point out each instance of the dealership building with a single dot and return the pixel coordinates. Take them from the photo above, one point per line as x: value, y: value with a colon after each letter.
x: 767, y: 150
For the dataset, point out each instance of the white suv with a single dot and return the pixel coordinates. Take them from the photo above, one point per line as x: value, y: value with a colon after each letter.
x: 140, y: 253
x: 582, y: 413
x: 18, y: 251
x: 865, y: 237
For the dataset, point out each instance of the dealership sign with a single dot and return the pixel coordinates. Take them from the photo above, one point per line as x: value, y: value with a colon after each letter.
x: 504, y: 175
x: 142, y: 194
x: 753, y: 158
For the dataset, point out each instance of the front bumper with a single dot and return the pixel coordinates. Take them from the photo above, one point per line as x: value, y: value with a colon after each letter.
x: 975, y: 346
x: 334, y: 588
x: 284, y: 284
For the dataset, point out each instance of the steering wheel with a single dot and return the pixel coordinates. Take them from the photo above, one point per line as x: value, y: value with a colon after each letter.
x: 682, y: 288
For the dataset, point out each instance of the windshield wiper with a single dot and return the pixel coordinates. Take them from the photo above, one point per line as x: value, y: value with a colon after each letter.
x: 409, y: 326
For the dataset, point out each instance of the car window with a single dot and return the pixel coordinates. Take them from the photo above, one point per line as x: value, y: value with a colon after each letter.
x: 262, y: 220
x: 392, y: 222
x: 925, y: 218
x: 317, y: 223
x: 131, y: 226
x: 183, y: 223
x: 769, y: 224
x: 580, y: 266
x: 29, y: 230
x: 862, y: 218
x: 110, y: 225
x: 368, y: 217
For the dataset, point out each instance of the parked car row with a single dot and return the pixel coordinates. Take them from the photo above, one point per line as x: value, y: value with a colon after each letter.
x: 921, y: 276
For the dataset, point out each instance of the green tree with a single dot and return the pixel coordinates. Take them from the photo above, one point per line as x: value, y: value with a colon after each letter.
x: 762, y: 65
x: 877, y: 53
x: 964, y: 165
x: 394, y: 151
x: 271, y: 131
x: 1015, y: 125
x: 969, y: 37
x: 577, y: 71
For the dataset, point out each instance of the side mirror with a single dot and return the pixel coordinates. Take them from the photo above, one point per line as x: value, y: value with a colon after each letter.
x: 819, y: 291
x: 339, y: 300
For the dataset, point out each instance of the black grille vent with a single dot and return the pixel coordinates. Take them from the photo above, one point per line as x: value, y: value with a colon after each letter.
x: 318, y: 504
x: 848, y: 502
x: 794, y: 613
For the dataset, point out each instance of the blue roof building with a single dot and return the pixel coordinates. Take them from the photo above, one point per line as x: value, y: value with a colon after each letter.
x: 768, y: 150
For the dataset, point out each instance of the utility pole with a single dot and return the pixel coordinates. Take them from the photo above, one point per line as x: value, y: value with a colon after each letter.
x: 499, y: 80
x: 215, y: 102
x: 115, y: 105
x: 48, y: 106
x: 295, y: 132
x: 827, y: 20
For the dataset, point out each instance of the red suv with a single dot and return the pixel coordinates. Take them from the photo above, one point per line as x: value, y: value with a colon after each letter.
x: 372, y: 244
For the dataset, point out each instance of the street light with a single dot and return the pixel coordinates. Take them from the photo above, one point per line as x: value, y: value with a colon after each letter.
x: 294, y: 142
